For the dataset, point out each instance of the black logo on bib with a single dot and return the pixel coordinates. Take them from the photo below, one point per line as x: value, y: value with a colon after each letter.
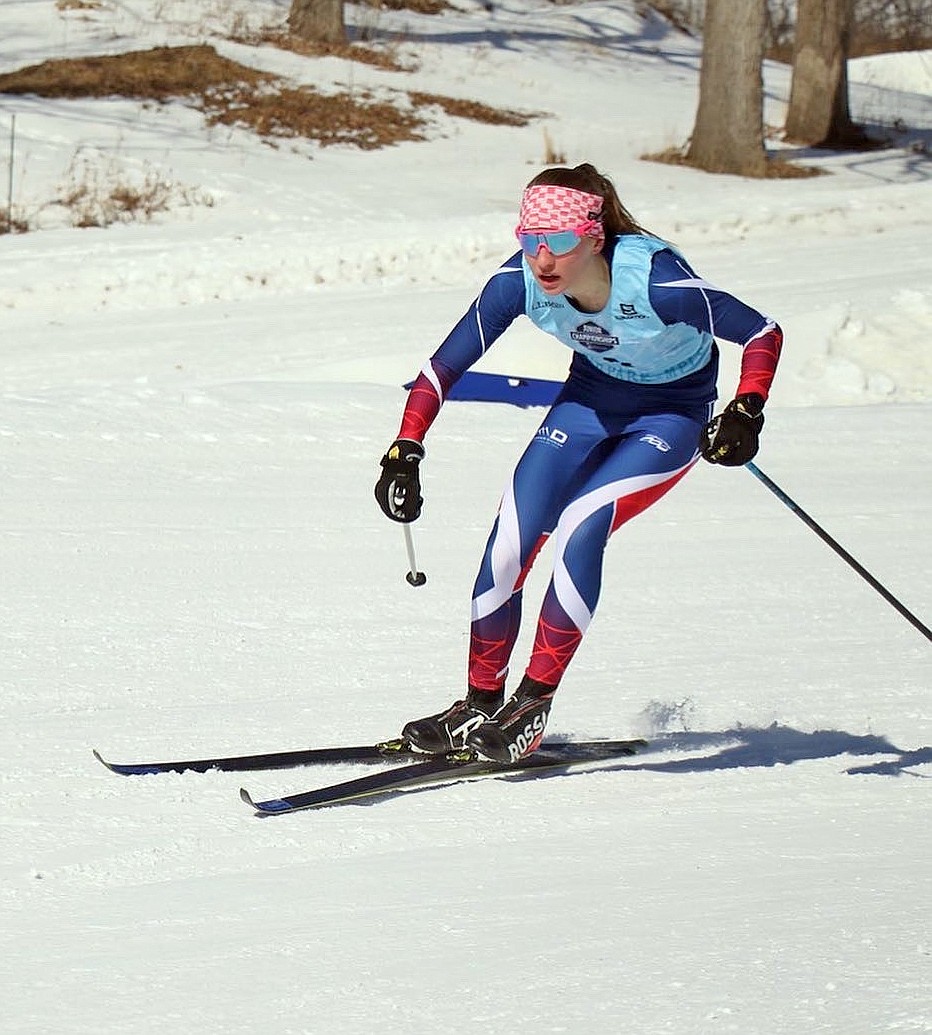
x: 593, y: 337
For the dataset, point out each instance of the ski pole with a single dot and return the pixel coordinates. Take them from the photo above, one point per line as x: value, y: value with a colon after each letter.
x: 414, y: 577
x: 839, y: 549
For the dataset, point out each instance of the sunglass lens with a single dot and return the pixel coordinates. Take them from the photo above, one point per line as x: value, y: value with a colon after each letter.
x: 561, y: 243
x: 558, y: 243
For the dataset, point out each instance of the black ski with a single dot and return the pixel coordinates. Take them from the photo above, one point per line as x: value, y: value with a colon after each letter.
x: 446, y: 769
x: 385, y: 751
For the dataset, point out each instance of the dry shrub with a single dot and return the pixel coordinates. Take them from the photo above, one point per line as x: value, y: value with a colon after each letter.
x: 100, y: 193
x: 11, y: 223
x: 92, y: 204
x: 552, y: 154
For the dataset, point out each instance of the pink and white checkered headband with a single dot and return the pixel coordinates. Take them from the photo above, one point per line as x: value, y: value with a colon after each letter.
x: 547, y: 206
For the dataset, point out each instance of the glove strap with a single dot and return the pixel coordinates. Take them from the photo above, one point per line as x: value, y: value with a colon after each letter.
x: 750, y: 405
x: 406, y: 450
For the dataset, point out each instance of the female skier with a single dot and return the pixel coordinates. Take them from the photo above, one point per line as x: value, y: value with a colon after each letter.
x: 630, y: 421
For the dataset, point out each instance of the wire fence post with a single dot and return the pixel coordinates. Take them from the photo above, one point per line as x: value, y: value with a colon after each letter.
x: 9, y: 193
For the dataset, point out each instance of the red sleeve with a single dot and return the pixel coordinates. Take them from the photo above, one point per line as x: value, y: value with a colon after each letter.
x: 499, y: 303
x: 425, y: 399
x: 759, y: 361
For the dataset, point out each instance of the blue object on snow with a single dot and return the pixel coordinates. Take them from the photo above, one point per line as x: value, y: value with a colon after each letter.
x: 500, y: 388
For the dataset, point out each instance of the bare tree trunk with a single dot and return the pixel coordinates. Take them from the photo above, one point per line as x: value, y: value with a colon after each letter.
x: 320, y: 21
x: 818, y: 113
x: 728, y: 136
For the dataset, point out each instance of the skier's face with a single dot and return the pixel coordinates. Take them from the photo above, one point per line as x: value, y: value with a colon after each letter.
x: 558, y: 274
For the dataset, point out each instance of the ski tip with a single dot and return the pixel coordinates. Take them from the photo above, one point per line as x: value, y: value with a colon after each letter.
x: 264, y: 808
x: 128, y: 768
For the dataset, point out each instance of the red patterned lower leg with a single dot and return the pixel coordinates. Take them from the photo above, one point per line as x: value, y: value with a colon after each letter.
x: 554, y: 647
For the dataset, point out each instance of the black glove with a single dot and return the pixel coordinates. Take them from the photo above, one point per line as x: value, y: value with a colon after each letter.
x: 731, y: 437
x: 398, y: 489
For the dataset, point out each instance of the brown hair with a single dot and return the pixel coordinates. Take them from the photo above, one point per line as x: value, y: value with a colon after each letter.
x: 615, y: 217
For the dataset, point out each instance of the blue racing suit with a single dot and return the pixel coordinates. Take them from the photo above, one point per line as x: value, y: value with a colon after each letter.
x: 623, y: 431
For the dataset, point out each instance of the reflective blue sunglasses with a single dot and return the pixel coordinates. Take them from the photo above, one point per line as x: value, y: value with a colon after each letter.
x: 560, y: 242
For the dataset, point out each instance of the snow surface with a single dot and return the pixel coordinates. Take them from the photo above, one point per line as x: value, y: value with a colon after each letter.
x: 191, y: 417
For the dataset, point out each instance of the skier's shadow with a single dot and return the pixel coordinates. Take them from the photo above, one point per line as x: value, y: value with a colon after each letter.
x: 752, y: 747
x: 744, y: 747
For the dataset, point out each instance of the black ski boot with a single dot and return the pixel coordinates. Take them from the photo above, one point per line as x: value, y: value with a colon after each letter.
x: 517, y: 728
x: 446, y: 731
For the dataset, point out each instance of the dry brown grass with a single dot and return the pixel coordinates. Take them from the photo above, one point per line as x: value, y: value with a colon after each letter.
x: 159, y: 74
x: 866, y: 40
x: 78, y: 5
x: 418, y: 6
x: 776, y: 168
x: 232, y: 94
x: 473, y: 110
x: 340, y: 118
x: 284, y: 40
